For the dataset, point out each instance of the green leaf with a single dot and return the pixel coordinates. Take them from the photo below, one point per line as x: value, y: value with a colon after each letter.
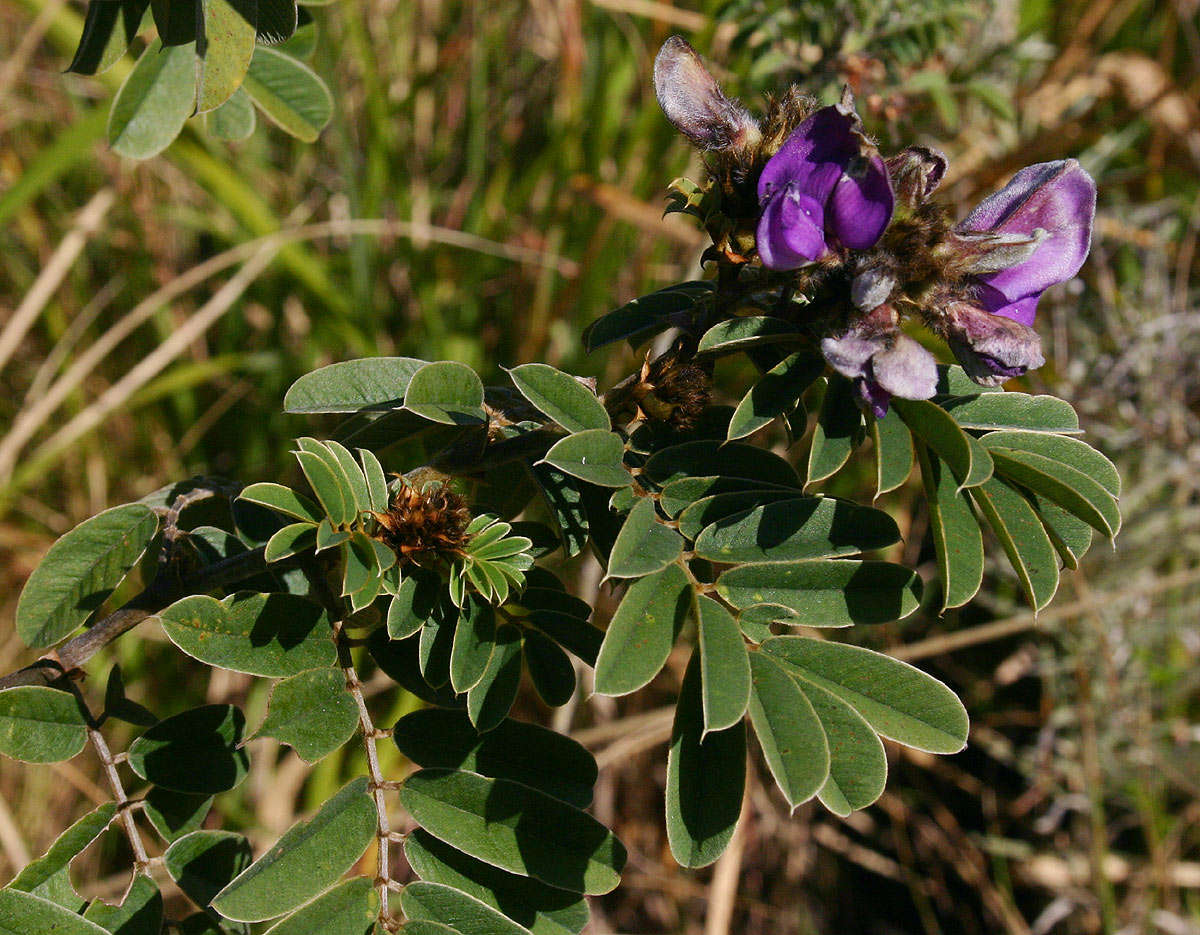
x: 224, y: 48
x: 474, y: 642
x: 308, y: 859
x: 400, y: 660
x: 289, y: 541
x: 642, y: 631
x: 234, y: 120
x: 40, y: 724
x: 526, y: 753
x: 351, y: 385
x: 41, y: 877
x: 953, y: 381
x: 806, y: 527
x: 565, y: 503
x: 489, y: 701
x: 550, y: 669
x: 446, y: 392
x: 967, y: 458
x: 203, y: 862
x: 353, y: 475
x: 893, y: 452
x: 350, y: 908
x: 839, y: 430
x: 541, y: 909
x: 724, y: 666
x: 992, y: 411
x: 81, y: 570
x: 561, y: 397
x: 431, y: 906
x: 436, y: 642
x: 1060, y: 483
x: 697, y: 459
x: 414, y: 603
x: 108, y: 28
x: 571, y: 633
x: 899, y: 701
x: 642, y: 318
x: 776, y: 393
x: 283, y: 500
x: 737, y: 334
x: 706, y: 774
x: 596, y: 456
x: 826, y: 593
x: 516, y: 828
x: 378, y: 498
x: 174, y: 814
x: 274, y: 635
x: 957, y: 540
x: 277, y: 22
x: 1070, y: 451
x: 857, y: 760
x: 177, y: 22
x: 139, y: 913
x: 1071, y: 536
x: 196, y: 751
x: 336, y: 500
x: 154, y: 102
x: 312, y: 712
x: 709, y: 510
x: 682, y: 492
x: 789, y: 731
x: 361, y: 568
x: 1023, y: 538
x: 289, y: 93
x: 23, y: 914
x: 644, y: 545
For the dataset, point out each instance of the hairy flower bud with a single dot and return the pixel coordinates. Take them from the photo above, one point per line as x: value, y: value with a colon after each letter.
x: 915, y: 173
x: 827, y: 187
x: 991, y: 348
x: 882, y: 360
x: 693, y: 101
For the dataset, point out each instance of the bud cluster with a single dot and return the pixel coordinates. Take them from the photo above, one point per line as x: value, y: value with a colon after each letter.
x: 808, y: 206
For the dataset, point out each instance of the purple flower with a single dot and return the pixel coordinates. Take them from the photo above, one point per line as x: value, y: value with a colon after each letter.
x: 882, y: 361
x: 1050, y: 207
x: 827, y: 187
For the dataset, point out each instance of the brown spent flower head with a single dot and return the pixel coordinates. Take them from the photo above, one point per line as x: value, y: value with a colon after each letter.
x: 423, y: 524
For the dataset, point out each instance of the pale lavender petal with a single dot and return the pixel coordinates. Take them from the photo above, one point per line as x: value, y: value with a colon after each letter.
x: 861, y: 205
x: 791, y: 231
x: 991, y: 347
x: 850, y: 355
x: 905, y: 369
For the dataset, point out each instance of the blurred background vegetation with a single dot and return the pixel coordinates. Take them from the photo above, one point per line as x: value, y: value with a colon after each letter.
x: 513, y: 161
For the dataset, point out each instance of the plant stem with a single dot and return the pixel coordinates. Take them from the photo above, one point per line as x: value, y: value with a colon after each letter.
x: 370, y: 734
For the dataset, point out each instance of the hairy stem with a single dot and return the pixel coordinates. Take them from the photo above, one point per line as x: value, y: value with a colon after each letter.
x: 371, y: 735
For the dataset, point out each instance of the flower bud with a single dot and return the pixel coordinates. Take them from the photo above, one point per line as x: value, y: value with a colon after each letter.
x: 871, y: 288
x: 991, y: 348
x: 693, y: 101
x: 915, y: 173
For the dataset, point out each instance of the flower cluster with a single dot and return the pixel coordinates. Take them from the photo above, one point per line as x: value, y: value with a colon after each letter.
x: 812, y: 202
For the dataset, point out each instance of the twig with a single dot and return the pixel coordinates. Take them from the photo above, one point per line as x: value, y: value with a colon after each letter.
x: 370, y: 735
x: 722, y: 892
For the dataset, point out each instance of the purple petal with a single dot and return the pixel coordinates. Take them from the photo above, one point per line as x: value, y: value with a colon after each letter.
x: 1056, y: 197
x: 861, y: 206
x: 791, y: 231
x: 1023, y: 310
x: 991, y: 347
x: 813, y: 157
x: 874, y: 396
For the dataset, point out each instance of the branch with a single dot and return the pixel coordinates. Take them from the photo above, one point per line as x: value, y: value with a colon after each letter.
x: 59, y: 663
